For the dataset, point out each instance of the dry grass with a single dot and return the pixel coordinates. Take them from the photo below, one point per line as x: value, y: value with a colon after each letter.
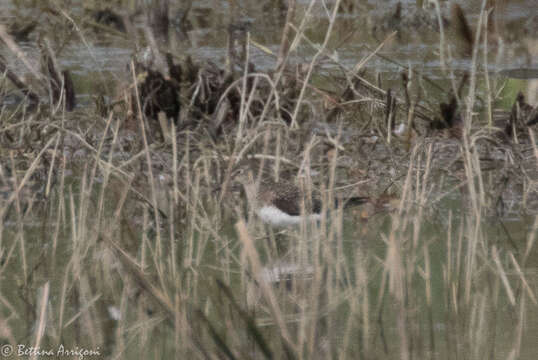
x: 151, y: 255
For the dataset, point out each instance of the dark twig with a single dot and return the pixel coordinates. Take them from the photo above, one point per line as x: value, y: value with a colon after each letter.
x: 18, y: 82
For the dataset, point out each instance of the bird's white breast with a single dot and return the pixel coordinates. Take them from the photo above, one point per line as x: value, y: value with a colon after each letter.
x: 276, y: 217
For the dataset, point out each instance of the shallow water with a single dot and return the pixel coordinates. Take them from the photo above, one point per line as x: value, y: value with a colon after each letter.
x: 352, y: 39
x: 104, y: 61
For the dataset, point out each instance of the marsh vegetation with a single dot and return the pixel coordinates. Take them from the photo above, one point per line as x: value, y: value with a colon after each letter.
x: 124, y: 124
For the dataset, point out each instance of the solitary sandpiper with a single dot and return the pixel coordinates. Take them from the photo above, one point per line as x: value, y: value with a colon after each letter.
x: 281, y: 203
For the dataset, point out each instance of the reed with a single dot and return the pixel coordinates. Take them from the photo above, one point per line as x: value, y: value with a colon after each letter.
x: 150, y: 253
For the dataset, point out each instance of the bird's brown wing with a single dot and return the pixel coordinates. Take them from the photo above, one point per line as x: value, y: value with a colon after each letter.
x: 288, y: 198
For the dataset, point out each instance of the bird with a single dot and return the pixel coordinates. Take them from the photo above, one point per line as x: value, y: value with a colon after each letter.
x: 282, y: 203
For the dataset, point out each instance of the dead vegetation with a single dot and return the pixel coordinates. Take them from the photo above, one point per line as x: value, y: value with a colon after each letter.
x: 119, y: 229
